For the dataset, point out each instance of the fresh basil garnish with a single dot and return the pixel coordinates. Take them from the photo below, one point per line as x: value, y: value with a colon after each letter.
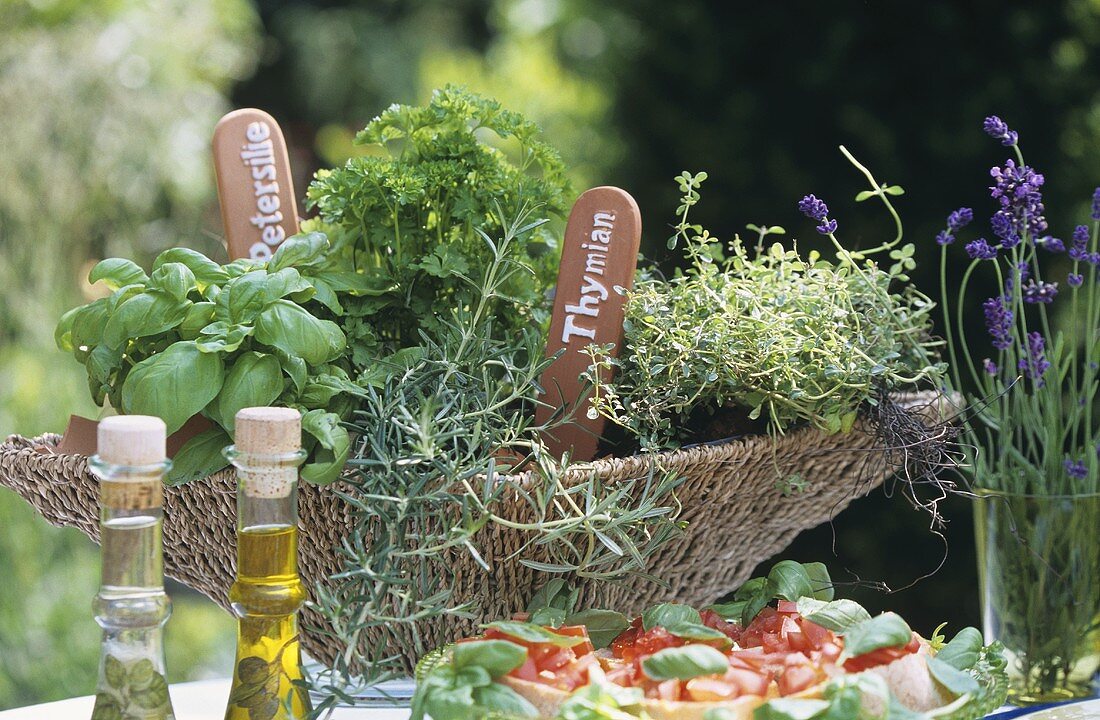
x: 837, y: 615
x: 963, y: 650
x: 882, y: 631
x: 533, y: 633
x: 684, y: 663
x: 668, y: 614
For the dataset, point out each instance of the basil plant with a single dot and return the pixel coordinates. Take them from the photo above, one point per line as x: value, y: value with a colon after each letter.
x: 198, y: 338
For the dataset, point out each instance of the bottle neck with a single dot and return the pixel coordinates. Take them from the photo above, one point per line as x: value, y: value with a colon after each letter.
x: 131, y: 525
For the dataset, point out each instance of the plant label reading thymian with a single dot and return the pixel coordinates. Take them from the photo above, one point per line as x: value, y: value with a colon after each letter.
x: 599, y: 256
x: 254, y: 185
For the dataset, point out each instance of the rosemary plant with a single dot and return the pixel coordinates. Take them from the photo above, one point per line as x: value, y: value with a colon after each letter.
x: 784, y: 337
x: 443, y: 450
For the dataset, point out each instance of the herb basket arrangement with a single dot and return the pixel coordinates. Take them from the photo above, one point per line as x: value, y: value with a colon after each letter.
x: 407, y: 325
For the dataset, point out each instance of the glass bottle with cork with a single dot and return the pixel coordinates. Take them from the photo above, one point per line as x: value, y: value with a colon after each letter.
x: 131, y: 607
x: 267, y: 593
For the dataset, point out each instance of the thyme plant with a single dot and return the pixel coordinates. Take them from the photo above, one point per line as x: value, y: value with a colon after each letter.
x: 785, y: 337
x: 444, y: 449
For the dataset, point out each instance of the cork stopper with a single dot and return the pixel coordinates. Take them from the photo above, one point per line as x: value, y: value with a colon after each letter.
x: 268, y: 432
x: 132, y: 440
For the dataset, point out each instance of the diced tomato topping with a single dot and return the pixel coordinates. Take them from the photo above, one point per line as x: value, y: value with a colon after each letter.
x: 667, y: 690
x: 713, y: 620
x: 623, y: 675
x: 882, y: 656
x: 526, y: 671
x: 786, y: 606
x: 645, y: 643
x: 796, y: 679
x: 815, y: 634
x: 748, y: 682
x: 626, y: 638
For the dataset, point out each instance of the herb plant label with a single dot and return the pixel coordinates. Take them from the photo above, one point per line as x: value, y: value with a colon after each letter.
x: 254, y: 185
x: 598, y: 260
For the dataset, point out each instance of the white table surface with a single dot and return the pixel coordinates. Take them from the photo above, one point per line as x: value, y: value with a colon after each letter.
x: 202, y: 700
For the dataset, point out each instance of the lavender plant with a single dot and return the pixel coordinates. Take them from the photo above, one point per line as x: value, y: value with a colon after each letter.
x: 1031, y: 426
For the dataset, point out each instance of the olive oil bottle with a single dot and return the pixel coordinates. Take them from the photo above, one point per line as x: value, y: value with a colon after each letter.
x: 131, y: 607
x: 267, y: 592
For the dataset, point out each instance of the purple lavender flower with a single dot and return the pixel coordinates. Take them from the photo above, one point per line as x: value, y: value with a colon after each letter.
x: 1018, y: 191
x: 1005, y: 228
x: 997, y: 129
x: 980, y: 249
x: 1025, y: 270
x: 959, y: 219
x: 944, y: 238
x: 1078, y: 251
x: 989, y: 366
x: 1042, y: 292
x: 1093, y: 258
x: 1075, y: 279
x: 1051, y: 244
x: 817, y: 210
x: 1035, y: 364
x: 1076, y: 469
x: 998, y: 321
x: 1096, y: 204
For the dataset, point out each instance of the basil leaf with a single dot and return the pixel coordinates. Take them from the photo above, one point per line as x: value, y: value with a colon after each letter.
x: 820, y: 580
x: 144, y: 315
x: 498, y: 657
x: 200, y: 457
x: 553, y: 594
x: 955, y: 680
x: 206, y: 271
x: 300, y: 249
x: 176, y: 279
x: 198, y: 316
x: 838, y: 615
x: 255, y: 380
x: 287, y: 281
x: 286, y: 326
x: 696, y: 631
x: 117, y: 273
x: 530, y: 632
x: 751, y: 589
x: 730, y: 611
x: 553, y: 617
x: 791, y: 709
x: 220, y: 337
x: 721, y: 713
x: 503, y: 699
x: 964, y: 649
x: 789, y: 580
x: 685, y: 663
x: 603, y: 625
x: 595, y: 701
x: 667, y: 614
x: 173, y: 385
x: 326, y: 461
x: 881, y: 631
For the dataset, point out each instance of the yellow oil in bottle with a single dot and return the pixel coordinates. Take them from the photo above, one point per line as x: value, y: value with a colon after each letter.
x: 266, y: 598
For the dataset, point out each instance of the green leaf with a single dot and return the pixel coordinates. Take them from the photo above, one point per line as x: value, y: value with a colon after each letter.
x: 220, y: 337
x: 327, y: 461
x: 963, y: 651
x: 791, y: 709
x: 117, y: 273
x: 150, y: 313
x: 684, y: 663
x: 881, y: 631
x: 598, y: 701
x: 955, y: 680
x: 254, y: 380
x: 152, y: 695
x: 548, y: 616
x: 293, y: 330
x: 603, y: 625
x: 533, y: 633
x: 173, y: 385
x: 298, y: 250
x: 667, y: 614
x: 865, y: 195
x: 114, y: 672
x: 698, y: 631
x: 200, y: 457
x: 837, y: 615
x: 503, y: 699
x: 820, y: 580
x: 731, y: 610
x: 554, y: 594
x: 141, y: 673
x: 206, y: 271
x: 498, y: 657
x: 893, y: 190
x: 790, y: 581
x: 198, y: 316
x: 253, y: 669
x: 721, y: 713
x: 176, y: 279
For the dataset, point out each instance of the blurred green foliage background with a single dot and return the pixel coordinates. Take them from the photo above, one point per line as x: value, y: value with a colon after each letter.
x: 107, y: 106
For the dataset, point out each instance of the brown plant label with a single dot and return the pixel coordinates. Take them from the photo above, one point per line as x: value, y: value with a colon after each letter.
x: 259, y: 210
x: 599, y: 257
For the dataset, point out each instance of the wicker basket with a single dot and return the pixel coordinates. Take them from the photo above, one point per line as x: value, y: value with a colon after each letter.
x: 736, y: 519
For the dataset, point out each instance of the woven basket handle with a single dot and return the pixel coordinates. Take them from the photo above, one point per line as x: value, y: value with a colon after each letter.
x: 598, y: 260
x: 255, y: 189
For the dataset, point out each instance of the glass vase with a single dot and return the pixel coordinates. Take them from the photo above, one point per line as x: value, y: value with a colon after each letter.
x: 1039, y: 575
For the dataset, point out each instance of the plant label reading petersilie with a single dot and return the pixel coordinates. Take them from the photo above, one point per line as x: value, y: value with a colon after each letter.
x: 254, y: 185
x: 598, y: 260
